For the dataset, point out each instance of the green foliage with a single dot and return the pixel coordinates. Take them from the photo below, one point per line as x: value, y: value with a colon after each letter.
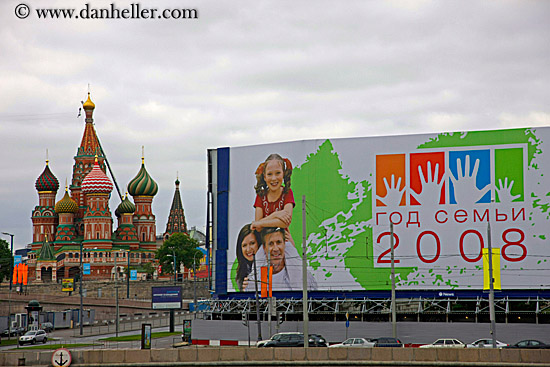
x: 185, y: 249
x: 6, y: 258
x: 149, y: 268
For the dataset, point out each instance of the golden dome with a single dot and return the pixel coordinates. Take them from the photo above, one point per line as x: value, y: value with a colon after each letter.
x: 88, y: 105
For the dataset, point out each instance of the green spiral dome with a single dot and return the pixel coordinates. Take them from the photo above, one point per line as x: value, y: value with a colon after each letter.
x: 126, y: 207
x: 143, y: 184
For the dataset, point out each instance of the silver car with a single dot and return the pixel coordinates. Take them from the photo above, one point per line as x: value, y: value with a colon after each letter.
x: 485, y: 343
x: 354, y: 343
x: 445, y: 343
x: 33, y: 337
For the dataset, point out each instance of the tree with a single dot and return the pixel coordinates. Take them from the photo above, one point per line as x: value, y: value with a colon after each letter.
x: 6, y: 258
x: 185, y: 249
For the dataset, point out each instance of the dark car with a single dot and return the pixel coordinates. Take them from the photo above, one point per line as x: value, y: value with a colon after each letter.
x: 293, y: 339
x: 47, y: 326
x: 15, y: 331
x: 530, y: 344
x: 388, y: 342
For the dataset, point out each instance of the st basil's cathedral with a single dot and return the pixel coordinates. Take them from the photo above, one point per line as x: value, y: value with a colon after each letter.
x: 83, y: 217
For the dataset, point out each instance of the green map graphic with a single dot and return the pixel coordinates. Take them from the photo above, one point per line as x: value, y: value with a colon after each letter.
x: 339, y: 241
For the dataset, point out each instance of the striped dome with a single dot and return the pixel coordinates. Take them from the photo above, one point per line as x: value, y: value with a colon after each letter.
x: 66, y: 205
x: 47, y: 181
x: 126, y: 207
x: 143, y: 184
x: 97, y: 181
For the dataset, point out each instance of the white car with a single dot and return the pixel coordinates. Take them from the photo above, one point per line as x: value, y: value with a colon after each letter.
x: 33, y: 337
x: 445, y: 343
x: 354, y: 343
x: 485, y: 343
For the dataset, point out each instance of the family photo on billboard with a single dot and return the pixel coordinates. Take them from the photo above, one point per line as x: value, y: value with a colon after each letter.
x: 267, y: 238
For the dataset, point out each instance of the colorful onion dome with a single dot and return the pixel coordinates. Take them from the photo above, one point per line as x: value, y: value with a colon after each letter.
x: 47, y: 181
x: 96, y: 181
x: 143, y: 184
x: 66, y: 204
x: 88, y: 105
x: 126, y: 207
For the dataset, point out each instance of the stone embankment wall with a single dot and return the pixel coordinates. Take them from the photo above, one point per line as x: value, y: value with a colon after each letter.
x: 99, y: 295
x: 234, y: 356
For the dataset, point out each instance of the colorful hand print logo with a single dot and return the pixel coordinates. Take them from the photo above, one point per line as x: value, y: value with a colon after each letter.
x: 463, y: 177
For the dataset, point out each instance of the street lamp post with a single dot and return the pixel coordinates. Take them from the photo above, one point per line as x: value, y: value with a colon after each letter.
x: 81, y: 276
x: 128, y: 277
x: 172, y: 313
x: 116, y: 293
x: 11, y: 281
x: 195, y: 285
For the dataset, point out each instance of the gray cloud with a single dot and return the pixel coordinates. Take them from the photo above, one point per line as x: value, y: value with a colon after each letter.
x: 253, y: 72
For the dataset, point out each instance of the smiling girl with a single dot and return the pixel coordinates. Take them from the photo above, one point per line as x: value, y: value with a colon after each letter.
x: 274, y: 198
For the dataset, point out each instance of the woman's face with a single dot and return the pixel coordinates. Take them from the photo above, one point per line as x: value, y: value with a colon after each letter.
x: 273, y: 175
x: 249, y: 247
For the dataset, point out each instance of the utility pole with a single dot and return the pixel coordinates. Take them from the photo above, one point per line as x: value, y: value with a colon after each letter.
x: 195, y: 287
x: 268, y: 289
x: 491, y: 287
x: 257, y: 301
x: 304, y: 275
x: 393, y: 313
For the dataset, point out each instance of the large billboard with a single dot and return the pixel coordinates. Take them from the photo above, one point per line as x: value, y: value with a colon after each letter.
x: 447, y: 195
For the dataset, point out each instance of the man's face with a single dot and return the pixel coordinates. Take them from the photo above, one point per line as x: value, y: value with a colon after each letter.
x: 275, y: 246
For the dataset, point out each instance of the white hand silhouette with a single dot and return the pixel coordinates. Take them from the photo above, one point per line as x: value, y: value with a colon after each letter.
x: 505, y: 192
x: 431, y: 188
x: 466, y: 191
x: 393, y: 193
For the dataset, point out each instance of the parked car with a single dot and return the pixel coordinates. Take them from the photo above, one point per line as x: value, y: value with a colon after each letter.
x: 47, y: 327
x: 292, y: 339
x: 530, y: 344
x: 485, y: 343
x: 445, y: 343
x: 354, y: 343
x: 33, y: 337
x: 387, y: 342
x: 15, y: 331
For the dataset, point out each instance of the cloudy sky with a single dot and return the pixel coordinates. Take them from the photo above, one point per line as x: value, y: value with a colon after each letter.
x: 252, y: 72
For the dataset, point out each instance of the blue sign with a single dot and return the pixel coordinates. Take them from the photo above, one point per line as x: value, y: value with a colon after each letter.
x: 133, y: 274
x: 17, y: 260
x: 347, y: 323
x: 86, y: 269
x: 166, y: 297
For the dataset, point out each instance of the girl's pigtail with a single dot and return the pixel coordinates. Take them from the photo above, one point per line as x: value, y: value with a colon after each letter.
x: 260, y: 169
x: 287, y: 174
x: 288, y: 165
x: 260, y: 186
